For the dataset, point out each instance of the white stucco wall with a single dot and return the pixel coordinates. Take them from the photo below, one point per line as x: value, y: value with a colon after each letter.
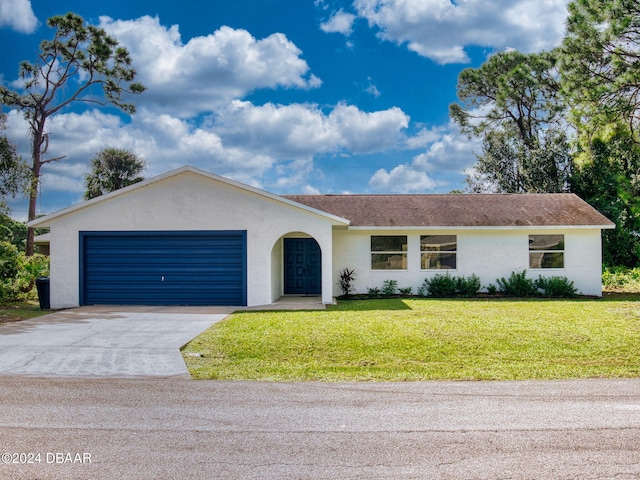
x: 490, y: 254
x: 277, y: 270
x: 191, y: 202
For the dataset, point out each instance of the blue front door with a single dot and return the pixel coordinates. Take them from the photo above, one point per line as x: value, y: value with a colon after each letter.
x: 302, y: 266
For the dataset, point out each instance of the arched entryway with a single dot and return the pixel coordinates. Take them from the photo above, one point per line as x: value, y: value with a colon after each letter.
x: 302, y: 266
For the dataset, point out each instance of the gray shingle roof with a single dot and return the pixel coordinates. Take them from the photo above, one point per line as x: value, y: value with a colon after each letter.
x: 458, y: 210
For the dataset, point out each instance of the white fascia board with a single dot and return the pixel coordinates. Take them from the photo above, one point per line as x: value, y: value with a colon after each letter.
x: 501, y: 227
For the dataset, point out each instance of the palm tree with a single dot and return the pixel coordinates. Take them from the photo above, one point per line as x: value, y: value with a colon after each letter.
x: 112, y: 169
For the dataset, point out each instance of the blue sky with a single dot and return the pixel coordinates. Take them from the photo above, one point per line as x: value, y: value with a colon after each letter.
x: 292, y: 96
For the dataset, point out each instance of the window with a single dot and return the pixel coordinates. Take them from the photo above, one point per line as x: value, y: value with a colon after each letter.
x: 389, y: 252
x: 438, y: 252
x: 546, y: 251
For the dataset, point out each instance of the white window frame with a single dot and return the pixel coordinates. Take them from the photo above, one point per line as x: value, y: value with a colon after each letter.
x: 439, y: 252
x: 536, y: 255
x: 403, y: 254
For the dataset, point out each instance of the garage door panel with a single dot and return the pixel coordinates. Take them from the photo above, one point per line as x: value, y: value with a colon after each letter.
x: 163, y: 268
x: 140, y: 284
x: 166, y: 269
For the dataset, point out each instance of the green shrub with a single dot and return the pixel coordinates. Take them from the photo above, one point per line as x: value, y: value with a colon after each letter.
x: 373, y: 292
x: 9, y: 268
x: 389, y: 287
x: 621, y: 278
x: 345, y: 280
x: 18, y: 273
x: 441, y: 286
x: 517, y: 285
x: 557, y: 287
x: 492, y: 289
x: 423, y: 290
x: 9, y: 261
x: 468, y: 286
x: 405, y: 291
x: 31, y: 268
x: 12, y: 231
x: 444, y: 285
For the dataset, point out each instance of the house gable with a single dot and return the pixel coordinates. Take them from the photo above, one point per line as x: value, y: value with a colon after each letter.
x: 175, y: 178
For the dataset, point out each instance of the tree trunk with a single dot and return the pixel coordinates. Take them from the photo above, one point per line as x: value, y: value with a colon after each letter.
x: 33, y: 197
x: 37, y: 138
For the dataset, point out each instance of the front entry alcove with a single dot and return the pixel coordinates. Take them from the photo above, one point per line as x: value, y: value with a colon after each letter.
x: 302, y: 267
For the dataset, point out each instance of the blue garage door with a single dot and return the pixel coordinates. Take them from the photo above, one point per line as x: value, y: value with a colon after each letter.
x: 163, y: 268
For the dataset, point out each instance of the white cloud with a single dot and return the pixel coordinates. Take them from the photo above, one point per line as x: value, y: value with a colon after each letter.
x: 269, y: 146
x: 402, y: 179
x: 424, y: 137
x: 309, y: 190
x: 451, y: 152
x: 286, y: 131
x: 448, y: 155
x: 293, y: 174
x: 208, y: 71
x: 441, y: 29
x: 364, y: 132
x: 300, y: 130
x: 63, y: 177
x: 18, y: 14
x: 166, y: 142
x: 340, y: 22
x: 372, y: 89
x: 253, y: 144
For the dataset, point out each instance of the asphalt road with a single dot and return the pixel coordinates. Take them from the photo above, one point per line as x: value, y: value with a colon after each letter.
x: 181, y: 429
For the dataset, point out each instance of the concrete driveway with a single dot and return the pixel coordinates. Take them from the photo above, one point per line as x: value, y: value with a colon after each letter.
x: 104, y: 341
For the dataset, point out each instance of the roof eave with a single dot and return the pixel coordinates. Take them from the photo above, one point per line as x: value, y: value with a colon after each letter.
x: 482, y: 227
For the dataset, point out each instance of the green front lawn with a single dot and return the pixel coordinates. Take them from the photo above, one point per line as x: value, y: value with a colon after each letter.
x: 17, y: 311
x: 425, y: 339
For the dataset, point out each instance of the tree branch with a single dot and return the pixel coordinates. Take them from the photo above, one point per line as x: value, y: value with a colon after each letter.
x: 50, y: 160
